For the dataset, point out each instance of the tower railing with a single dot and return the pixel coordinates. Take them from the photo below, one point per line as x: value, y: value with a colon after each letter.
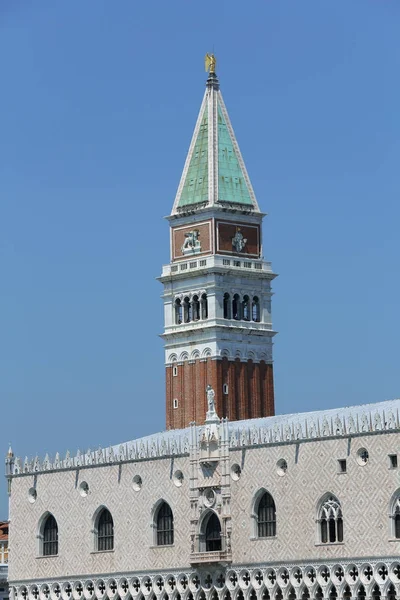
x: 216, y: 261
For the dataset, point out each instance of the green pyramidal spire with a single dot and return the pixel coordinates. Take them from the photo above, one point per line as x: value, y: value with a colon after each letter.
x: 214, y: 172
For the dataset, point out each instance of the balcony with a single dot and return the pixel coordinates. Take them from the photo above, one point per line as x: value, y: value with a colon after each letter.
x: 216, y: 261
x: 204, y: 558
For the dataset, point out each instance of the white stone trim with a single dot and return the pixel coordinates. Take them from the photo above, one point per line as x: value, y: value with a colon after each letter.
x: 298, y: 576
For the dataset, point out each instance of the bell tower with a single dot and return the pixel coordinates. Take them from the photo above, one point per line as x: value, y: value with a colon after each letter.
x: 217, y: 286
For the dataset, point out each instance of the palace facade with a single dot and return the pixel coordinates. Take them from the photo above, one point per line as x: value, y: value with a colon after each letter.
x: 230, y: 502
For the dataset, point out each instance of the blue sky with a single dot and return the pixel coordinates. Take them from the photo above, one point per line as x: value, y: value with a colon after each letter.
x: 98, y: 102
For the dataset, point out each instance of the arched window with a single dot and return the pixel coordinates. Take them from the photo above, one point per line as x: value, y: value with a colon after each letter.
x: 204, y: 306
x: 227, y: 306
x: 331, y: 521
x: 50, y: 536
x: 178, y: 312
x: 165, y: 525
x: 196, y: 308
x: 246, y: 308
x: 395, y: 515
x: 255, y: 309
x: 213, y: 534
x: 236, y: 308
x: 105, y: 531
x: 187, y: 310
x: 266, y: 516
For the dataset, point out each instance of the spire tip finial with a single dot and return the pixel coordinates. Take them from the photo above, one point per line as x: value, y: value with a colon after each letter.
x: 210, y: 63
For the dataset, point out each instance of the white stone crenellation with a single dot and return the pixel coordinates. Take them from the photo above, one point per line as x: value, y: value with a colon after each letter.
x: 280, y: 429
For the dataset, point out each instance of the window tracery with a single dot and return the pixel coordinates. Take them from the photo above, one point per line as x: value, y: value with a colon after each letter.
x: 331, y: 521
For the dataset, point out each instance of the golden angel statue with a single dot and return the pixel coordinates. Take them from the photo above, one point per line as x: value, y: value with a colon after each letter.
x: 210, y: 63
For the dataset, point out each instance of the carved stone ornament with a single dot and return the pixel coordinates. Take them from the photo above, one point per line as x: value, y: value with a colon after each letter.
x: 192, y: 244
x: 239, y: 241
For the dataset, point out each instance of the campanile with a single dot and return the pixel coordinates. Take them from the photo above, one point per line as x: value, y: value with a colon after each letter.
x: 217, y: 286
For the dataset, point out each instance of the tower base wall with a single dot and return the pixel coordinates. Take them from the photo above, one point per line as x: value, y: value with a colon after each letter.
x: 243, y: 390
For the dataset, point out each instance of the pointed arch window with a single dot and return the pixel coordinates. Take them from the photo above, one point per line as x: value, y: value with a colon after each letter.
x: 331, y: 521
x: 255, y: 309
x: 165, y: 525
x: 395, y: 515
x: 266, y: 516
x: 213, y: 534
x: 105, y: 531
x: 50, y: 536
x: 227, y: 306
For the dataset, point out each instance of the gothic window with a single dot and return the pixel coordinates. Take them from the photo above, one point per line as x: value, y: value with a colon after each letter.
x: 227, y: 306
x: 397, y: 522
x: 212, y: 533
x: 105, y: 531
x: 236, y: 308
x: 331, y: 521
x: 246, y: 308
x: 196, y: 308
x: 255, y: 309
x: 204, y: 307
x: 266, y: 516
x: 165, y: 525
x: 50, y: 536
x: 395, y: 515
x: 187, y: 310
x: 178, y: 312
